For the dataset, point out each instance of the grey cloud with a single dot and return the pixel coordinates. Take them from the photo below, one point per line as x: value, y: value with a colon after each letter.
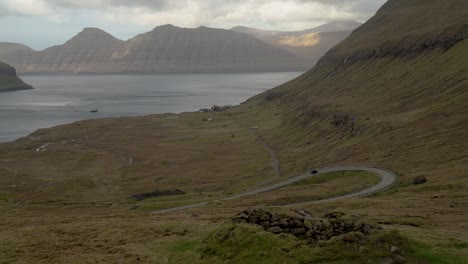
x: 355, y: 5
x: 127, y: 18
x: 110, y: 3
x: 368, y: 6
x: 222, y: 13
x: 363, y: 6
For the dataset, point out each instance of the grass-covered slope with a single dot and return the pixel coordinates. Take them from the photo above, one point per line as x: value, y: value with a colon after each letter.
x: 403, y: 27
x: 394, y: 93
x: 9, y: 81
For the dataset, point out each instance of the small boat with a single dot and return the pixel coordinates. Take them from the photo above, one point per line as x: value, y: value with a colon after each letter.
x: 94, y: 111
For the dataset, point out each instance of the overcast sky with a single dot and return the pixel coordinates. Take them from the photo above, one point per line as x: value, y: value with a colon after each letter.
x: 42, y: 23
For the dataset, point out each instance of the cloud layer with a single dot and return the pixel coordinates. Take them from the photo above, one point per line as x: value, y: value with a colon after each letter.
x: 138, y: 15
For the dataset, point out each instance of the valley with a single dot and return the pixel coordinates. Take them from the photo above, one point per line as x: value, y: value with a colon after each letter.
x: 391, y: 96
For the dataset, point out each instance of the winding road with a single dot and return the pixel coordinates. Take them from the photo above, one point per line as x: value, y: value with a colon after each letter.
x: 387, y: 178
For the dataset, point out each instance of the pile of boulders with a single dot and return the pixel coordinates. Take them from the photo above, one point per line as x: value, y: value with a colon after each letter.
x: 216, y: 108
x: 304, y: 225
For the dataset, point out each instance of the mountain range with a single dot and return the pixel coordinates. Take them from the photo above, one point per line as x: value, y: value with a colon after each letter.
x: 166, y: 49
x: 170, y: 49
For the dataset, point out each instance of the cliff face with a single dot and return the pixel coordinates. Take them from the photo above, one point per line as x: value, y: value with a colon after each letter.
x: 9, y: 81
x: 310, y: 44
x: 166, y: 49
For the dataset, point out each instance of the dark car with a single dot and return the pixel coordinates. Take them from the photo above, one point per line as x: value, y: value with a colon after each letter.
x: 314, y: 172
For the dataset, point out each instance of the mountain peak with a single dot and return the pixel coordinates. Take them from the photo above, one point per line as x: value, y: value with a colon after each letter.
x: 90, y: 35
x: 93, y: 33
x: 239, y: 28
x: 93, y: 30
x: 166, y: 26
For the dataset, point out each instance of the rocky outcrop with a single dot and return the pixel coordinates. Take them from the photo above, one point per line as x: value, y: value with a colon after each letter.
x: 166, y: 49
x: 216, y: 109
x: 304, y: 225
x: 419, y: 180
x: 407, y: 50
x: 346, y: 122
x: 9, y: 81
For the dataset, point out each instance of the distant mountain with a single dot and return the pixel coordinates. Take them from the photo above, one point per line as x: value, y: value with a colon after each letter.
x: 345, y: 25
x: 7, y: 48
x: 310, y: 44
x: 15, y: 52
x: 166, y: 49
x: 9, y: 81
x: 172, y: 49
x: 89, y: 51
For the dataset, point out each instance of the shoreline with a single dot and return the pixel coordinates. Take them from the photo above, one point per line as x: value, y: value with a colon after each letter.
x: 84, y: 94
x: 16, y: 89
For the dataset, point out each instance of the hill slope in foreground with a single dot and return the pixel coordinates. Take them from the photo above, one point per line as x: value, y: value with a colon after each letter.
x: 9, y: 81
x: 392, y: 95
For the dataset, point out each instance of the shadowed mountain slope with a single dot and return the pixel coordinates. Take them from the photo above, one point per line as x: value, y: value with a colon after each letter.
x: 9, y: 81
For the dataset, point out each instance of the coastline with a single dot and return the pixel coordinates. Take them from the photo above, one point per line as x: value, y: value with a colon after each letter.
x: 4, y: 90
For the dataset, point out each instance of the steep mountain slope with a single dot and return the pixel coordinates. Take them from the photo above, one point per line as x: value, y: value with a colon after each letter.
x: 9, y: 81
x: 91, y: 50
x: 166, y: 49
x: 310, y: 44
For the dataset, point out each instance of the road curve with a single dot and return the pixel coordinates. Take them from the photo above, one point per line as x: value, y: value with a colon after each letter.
x: 387, y: 178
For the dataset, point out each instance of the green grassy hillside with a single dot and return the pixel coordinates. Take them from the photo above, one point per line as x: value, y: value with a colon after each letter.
x: 393, y: 95
x: 399, y: 99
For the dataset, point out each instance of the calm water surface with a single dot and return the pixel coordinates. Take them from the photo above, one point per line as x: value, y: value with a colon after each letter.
x: 65, y: 99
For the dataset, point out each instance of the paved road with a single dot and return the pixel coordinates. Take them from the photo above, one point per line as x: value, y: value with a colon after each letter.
x: 387, y: 178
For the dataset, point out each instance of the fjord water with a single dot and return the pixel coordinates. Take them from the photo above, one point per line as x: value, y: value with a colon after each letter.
x: 65, y: 99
